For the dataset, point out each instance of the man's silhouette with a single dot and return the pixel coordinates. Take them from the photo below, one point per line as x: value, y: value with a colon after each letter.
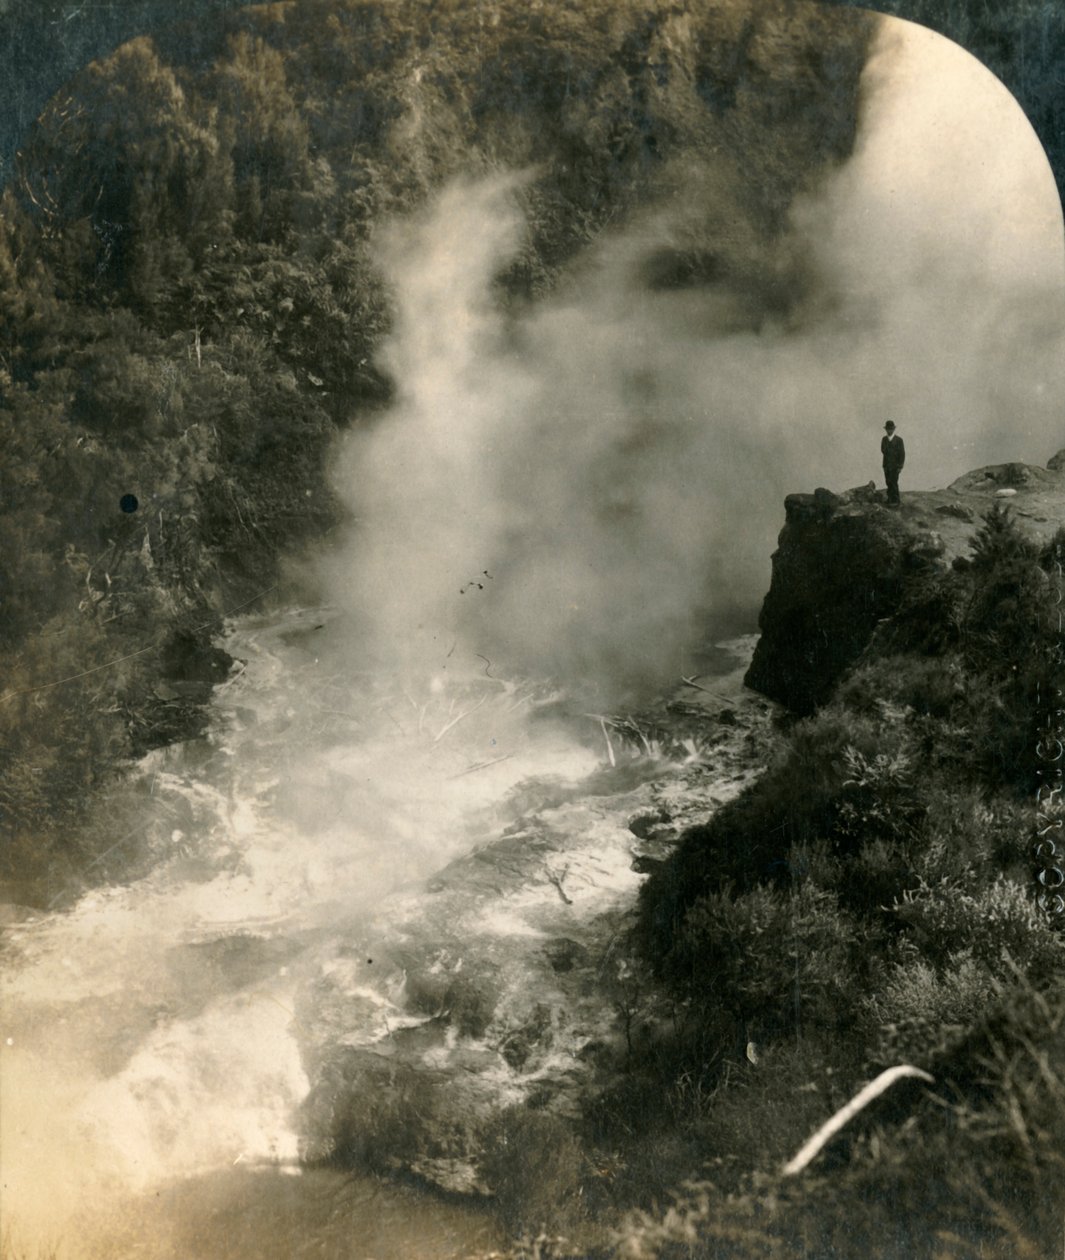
x: 894, y: 453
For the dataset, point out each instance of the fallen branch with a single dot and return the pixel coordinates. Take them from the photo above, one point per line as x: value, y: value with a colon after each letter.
x: 481, y: 765
x: 865, y: 1096
x: 609, y: 745
x: 455, y: 720
x: 598, y: 717
x: 689, y: 680
x: 237, y: 673
x: 638, y: 731
x: 628, y: 729
x: 557, y: 881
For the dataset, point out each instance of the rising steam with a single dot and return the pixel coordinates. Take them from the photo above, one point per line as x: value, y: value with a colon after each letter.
x: 589, y: 489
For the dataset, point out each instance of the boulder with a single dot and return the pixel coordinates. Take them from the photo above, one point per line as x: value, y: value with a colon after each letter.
x: 861, y: 494
x: 996, y: 476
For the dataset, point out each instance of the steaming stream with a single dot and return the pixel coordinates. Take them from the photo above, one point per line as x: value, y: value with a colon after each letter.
x: 149, y: 1032
x: 611, y: 463
x: 154, y: 1051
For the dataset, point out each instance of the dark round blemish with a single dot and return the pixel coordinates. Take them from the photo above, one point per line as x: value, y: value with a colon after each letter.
x: 369, y: 960
x: 128, y: 503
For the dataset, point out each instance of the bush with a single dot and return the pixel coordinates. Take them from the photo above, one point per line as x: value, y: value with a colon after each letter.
x: 1000, y: 540
x: 920, y: 1010
x: 775, y: 959
x: 899, y: 816
x: 754, y: 838
x: 840, y: 781
x: 998, y: 925
x: 875, y: 802
x: 905, y: 686
x: 761, y: 1113
x: 970, y: 835
x: 534, y: 1164
x: 976, y: 654
x: 972, y: 1171
x: 928, y: 619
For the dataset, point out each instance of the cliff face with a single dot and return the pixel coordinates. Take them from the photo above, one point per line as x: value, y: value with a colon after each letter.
x: 843, y: 561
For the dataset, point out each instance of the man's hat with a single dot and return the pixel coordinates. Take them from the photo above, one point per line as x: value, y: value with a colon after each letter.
x: 890, y: 424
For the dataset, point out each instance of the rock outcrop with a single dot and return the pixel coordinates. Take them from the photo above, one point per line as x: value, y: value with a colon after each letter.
x: 843, y: 560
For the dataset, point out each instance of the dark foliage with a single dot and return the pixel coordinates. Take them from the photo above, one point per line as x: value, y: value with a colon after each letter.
x: 875, y: 886
x: 867, y: 774
x: 537, y: 1167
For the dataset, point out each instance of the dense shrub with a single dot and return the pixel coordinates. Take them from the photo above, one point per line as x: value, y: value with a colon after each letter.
x: 918, y: 1010
x: 904, y: 734
x: 977, y: 654
x: 998, y: 924
x: 822, y: 788
x: 1008, y: 622
x: 905, y: 685
x: 778, y: 958
x: 883, y: 863
x: 969, y: 1169
x: 535, y: 1166
x: 1012, y: 645
x: 970, y: 835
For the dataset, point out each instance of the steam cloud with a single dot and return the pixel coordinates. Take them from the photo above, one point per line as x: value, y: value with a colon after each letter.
x: 590, y: 489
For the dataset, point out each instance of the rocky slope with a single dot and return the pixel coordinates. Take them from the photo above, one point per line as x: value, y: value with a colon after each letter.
x: 842, y: 561
x: 883, y: 894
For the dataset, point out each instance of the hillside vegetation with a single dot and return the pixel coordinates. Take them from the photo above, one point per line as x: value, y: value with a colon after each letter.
x: 190, y: 304
x: 884, y: 894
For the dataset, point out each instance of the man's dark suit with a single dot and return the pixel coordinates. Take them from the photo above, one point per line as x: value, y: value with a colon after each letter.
x: 894, y: 453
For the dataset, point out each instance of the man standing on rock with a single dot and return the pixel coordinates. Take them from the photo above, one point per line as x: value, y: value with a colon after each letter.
x: 894, y: 453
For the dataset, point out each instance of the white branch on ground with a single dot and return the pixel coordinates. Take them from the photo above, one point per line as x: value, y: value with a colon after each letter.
x: 455, y: 720
x: 846, y: 1113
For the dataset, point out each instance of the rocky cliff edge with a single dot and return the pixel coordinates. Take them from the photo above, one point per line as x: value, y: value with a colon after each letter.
x: 843, y: 560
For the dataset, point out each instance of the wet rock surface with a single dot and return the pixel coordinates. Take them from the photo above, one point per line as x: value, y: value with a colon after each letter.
x: 505, y: 978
